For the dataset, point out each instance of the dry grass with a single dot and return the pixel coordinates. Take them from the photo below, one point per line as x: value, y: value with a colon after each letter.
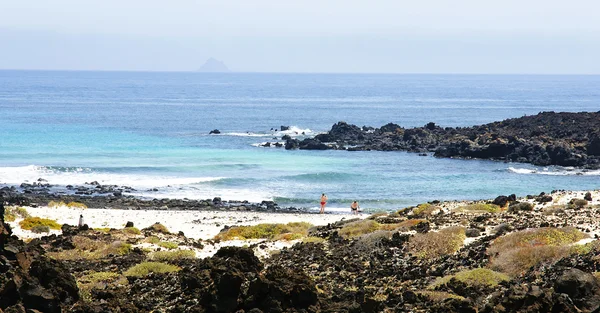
x: 31, y: 222
x: 313, y: 240
x: 402, y: 226
x: 98, y: 280
x: 439, y: 296
x: 517, y: 252
x: 164, y: 256
x: 545, y: 236
x: 72, y: 204
x: 436, y: 244
x: 11, y: 213
x: 358, y: 228
x: 159, y: 228
x: 479, y: 277
x: 146, y: 268
x: 425, y: 209
x: 132, y: 230
x: 88, y: 249
x: 479, y: 207
x: 372, y: 241
x: 152, y: 239
x: 289, y: 231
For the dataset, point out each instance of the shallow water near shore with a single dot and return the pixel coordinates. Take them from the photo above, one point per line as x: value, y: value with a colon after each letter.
x: 150, y: 131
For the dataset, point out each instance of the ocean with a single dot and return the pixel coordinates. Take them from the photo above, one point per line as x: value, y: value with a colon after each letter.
x: 150, y: 131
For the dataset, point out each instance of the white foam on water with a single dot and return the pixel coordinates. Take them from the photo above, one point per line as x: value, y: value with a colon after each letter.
x: 80, y: 176
x: 293, y: 131
x: 558, y: 172
x: 262, y: 144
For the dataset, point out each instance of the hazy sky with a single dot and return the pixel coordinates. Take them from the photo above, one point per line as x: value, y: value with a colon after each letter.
x: 425, y: 36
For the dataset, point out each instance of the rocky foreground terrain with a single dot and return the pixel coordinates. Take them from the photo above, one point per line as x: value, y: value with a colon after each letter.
x: 548, y: 138
x: 536, y: 254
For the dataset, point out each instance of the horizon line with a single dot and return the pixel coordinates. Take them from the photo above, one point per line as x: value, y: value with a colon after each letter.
x: 292, y: 72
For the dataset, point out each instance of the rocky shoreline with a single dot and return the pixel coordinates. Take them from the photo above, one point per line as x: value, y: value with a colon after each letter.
x: 509, y: 254
x: 548, y: 138
x: 100, y: 196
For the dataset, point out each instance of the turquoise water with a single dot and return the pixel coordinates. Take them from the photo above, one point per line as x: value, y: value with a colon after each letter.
x: 150, y: 131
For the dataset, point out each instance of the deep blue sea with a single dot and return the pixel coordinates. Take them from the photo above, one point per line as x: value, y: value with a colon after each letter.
x: 150, y: 131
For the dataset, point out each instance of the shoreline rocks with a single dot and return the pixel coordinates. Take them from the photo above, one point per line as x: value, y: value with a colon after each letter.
x: 548, y: 138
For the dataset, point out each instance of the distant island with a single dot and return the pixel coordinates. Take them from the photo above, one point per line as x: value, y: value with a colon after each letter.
x: 213, y: 65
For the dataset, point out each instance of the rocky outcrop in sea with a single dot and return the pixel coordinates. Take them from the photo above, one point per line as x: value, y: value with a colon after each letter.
x: 548, y: 138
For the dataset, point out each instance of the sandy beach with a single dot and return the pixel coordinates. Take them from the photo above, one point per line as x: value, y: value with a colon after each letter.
x: 194, y: 224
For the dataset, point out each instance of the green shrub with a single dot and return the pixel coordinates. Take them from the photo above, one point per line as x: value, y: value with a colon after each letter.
x: 425, y: 209
x: 152, y: 239
x: 479, y: 277
x: 358, y: 228
x: 38, y: 229
x: 30, y: 222
x: 436, y: 244
x: 146, y: 268
x: 168, y: 245
x: 132, y: 230
x: 479, y: 207
x: 164, y: 256
x: 266, y: 231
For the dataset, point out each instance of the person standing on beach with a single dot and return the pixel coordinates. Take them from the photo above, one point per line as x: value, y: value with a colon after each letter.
x: 323, y: 203
x: 354, y: 207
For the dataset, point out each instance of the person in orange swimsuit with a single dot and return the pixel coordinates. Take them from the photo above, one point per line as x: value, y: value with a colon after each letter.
x: 323, y: 203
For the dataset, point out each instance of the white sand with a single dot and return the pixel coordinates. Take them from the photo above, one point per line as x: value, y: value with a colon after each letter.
x: 207, y: 223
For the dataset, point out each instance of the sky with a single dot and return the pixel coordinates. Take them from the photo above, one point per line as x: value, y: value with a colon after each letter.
x: 371, y: 36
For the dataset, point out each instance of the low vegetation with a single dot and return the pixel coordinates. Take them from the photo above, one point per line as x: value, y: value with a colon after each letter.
x: 158, y: 228
x: 436, y: 244
x: 146, y: 268
x: 88, y: 249
x: 289, y: 231
x: 132, y: 230
x: 40, y: 229
x: 479, y: 277
x: 168, y: 245
x: 12, y: 213
x: 438, y: 296
x: 164, y: 256
x: 98, y: 280
x: 402, y: 226
x: 313, y: 240
x: 479, y: 207
x: 152, y: 239
x: 517, y: 252
x: 31, y: 222
x: 358, y: 228
x: 72, y: 204
x: 425, y: 209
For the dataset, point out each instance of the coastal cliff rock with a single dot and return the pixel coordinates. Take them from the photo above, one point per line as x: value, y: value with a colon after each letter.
x: 548, y: 138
